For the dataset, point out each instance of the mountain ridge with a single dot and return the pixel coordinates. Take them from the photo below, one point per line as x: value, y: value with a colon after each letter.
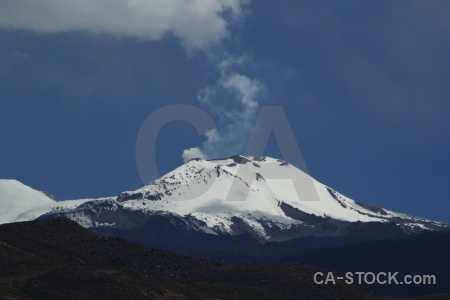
x: 15, y: 198
x: 228, y: 208
x: 214, y: 192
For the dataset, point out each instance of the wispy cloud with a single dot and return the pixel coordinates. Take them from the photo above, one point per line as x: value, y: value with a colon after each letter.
x: 199, y: 24
x: 234, y: 100
x: 21, y: 54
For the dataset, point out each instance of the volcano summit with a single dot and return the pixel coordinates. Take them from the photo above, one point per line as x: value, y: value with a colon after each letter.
x: 210, y: 206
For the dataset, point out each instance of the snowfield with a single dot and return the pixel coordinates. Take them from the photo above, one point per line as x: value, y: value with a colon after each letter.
x: 16, y: 198
x: 262, y: 195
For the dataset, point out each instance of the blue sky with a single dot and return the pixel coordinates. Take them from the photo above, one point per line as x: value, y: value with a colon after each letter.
x: 365, y: 85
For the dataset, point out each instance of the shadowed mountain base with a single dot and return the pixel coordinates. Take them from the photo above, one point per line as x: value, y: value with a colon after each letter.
x: 55, y: 259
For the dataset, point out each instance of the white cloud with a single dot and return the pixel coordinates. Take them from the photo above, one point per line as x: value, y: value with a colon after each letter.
x: 246, y: 88
x: 191, y: 153
x: 21, y: 54
x: 198, y: 23
x: 233, y: 98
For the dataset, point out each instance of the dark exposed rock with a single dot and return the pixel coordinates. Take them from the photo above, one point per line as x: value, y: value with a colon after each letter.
x: 126, y: 196
x: 259, y: 158
x: 259, y: 177
x: 240, y: 159
x: 374, y: 209
x: 195, y: 159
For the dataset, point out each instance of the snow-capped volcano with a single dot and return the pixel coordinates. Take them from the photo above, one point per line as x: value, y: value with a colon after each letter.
x: 264, y: 194
x: 247, y: 187
x: 16, y: 198
x: 267, y: 198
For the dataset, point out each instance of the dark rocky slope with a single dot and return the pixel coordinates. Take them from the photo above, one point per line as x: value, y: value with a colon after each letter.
x: 424, y: 254
x: 56, y: 259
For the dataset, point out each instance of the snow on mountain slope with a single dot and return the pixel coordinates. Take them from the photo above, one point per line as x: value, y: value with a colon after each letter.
x: 205, y: 188
x: 56, y: 207
x: 254, y: 189
x: 16, y: 198
x: 265, y: 197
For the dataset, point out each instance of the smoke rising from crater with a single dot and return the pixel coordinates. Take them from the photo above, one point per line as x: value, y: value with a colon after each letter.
x: 233, y: 100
